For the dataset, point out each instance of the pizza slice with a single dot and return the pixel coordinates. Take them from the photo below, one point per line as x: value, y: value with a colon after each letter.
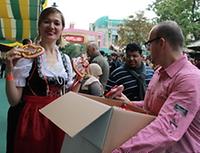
x: 80, y: 65
x: 30, y: 51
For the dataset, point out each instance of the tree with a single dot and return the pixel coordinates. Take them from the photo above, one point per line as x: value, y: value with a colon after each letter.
x: 134, y: 29
x: 73, y: 50
x: 185, y: 12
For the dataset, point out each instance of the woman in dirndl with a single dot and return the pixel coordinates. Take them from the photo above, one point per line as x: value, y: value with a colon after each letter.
x: 31, y: 84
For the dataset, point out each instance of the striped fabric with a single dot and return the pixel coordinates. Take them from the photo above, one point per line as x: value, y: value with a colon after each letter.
x: 18, y: 19
x: 122, y: 76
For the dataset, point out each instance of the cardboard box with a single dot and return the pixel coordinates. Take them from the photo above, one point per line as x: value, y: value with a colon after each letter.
x: 91, y: 126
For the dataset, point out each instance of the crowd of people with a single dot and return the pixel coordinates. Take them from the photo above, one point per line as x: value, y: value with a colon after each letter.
x: 171, y: 90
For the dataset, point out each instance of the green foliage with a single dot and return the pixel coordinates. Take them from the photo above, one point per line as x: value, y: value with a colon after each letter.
x: 73, y: 50
x: 185, y: 12
x: 135, y: 29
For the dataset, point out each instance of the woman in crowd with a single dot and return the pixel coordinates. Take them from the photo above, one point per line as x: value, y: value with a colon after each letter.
x: 35, y: 83
x: 91, y: 84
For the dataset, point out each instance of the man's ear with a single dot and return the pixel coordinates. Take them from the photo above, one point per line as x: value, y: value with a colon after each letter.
x: 162, y: 42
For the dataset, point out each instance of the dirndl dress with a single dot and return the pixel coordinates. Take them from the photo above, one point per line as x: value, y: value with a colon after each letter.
x: 35, y: 133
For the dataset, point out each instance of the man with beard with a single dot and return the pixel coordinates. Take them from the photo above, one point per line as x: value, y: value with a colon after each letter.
x: 134, y: 74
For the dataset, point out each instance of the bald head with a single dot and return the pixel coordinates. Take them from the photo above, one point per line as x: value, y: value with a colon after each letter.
x: 171, y: 31
x: 92, y: 48
x: 93, y: 45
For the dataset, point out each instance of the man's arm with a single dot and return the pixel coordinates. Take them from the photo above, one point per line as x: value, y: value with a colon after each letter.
x: 111, y: 81
x: 172, y: 122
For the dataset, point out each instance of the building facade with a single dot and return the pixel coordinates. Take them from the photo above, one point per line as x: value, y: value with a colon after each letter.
x: 109, y: 28
x: 82, y: 36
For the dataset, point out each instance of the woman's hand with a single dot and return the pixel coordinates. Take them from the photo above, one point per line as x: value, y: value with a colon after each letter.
x: 11, y: 58
x: 76, y: 84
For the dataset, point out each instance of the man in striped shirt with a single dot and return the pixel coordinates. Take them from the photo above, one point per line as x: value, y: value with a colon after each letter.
x: 134, y: 74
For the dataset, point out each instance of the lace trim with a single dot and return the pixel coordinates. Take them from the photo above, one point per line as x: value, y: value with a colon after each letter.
x: 53, y: 80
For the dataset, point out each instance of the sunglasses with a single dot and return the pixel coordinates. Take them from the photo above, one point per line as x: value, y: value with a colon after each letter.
x: 147, y: 44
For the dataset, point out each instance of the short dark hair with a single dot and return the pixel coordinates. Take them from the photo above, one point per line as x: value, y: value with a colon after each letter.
x: 171, y: 31
x: 102, y: 52
x: 133, y: 47
x: 26, y: 41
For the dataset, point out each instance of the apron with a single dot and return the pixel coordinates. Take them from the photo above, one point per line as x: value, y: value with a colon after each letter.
x: 35, y: 133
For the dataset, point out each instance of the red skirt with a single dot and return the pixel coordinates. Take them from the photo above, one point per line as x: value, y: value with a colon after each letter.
x: 35, y: 133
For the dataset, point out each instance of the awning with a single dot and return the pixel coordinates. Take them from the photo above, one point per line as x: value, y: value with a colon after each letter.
x: 18, y: 19
x: 10, y: 43
x: 6, y: 45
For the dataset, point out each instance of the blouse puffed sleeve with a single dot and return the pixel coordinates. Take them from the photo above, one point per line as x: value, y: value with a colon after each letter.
x: 21, y: 71
x: 69, y: 71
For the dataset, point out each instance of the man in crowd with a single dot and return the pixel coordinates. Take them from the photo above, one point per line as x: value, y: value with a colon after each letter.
x: 96, y: 57
x: 115, y: 62
x: 134, y: 74
x: 26, y: 41
x: 173, y: 95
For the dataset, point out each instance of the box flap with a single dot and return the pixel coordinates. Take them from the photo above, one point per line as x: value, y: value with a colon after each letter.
x: 91, y: 139
x: 101, y: 125
x: 78, y: 145
x: 124, y: 125
x: 118, y: 103
x: 70, y: 120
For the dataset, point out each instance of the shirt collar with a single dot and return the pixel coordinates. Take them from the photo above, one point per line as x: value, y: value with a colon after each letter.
x: 172, y: 69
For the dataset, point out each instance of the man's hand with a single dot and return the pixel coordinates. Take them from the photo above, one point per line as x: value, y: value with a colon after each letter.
x: 123, y: 98
x: 116, y: 93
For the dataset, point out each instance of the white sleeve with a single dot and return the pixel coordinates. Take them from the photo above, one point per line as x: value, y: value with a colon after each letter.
x: 69, y: 70
x: 21, y: 71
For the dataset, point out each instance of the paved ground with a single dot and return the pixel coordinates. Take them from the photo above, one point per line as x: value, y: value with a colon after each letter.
x: 3, y: 116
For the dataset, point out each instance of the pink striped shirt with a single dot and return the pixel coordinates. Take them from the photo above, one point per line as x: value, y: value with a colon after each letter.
x: 174, y: 95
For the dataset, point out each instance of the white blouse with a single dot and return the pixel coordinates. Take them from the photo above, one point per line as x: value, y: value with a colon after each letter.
x: 23, y: 67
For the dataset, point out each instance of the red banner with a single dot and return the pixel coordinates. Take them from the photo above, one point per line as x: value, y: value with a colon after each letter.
x: 74, y: 38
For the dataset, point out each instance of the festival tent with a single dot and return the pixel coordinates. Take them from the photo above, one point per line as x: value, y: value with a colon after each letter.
x: 18, y: 20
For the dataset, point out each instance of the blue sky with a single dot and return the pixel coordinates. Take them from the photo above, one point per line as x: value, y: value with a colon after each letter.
x: 83, y: 12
